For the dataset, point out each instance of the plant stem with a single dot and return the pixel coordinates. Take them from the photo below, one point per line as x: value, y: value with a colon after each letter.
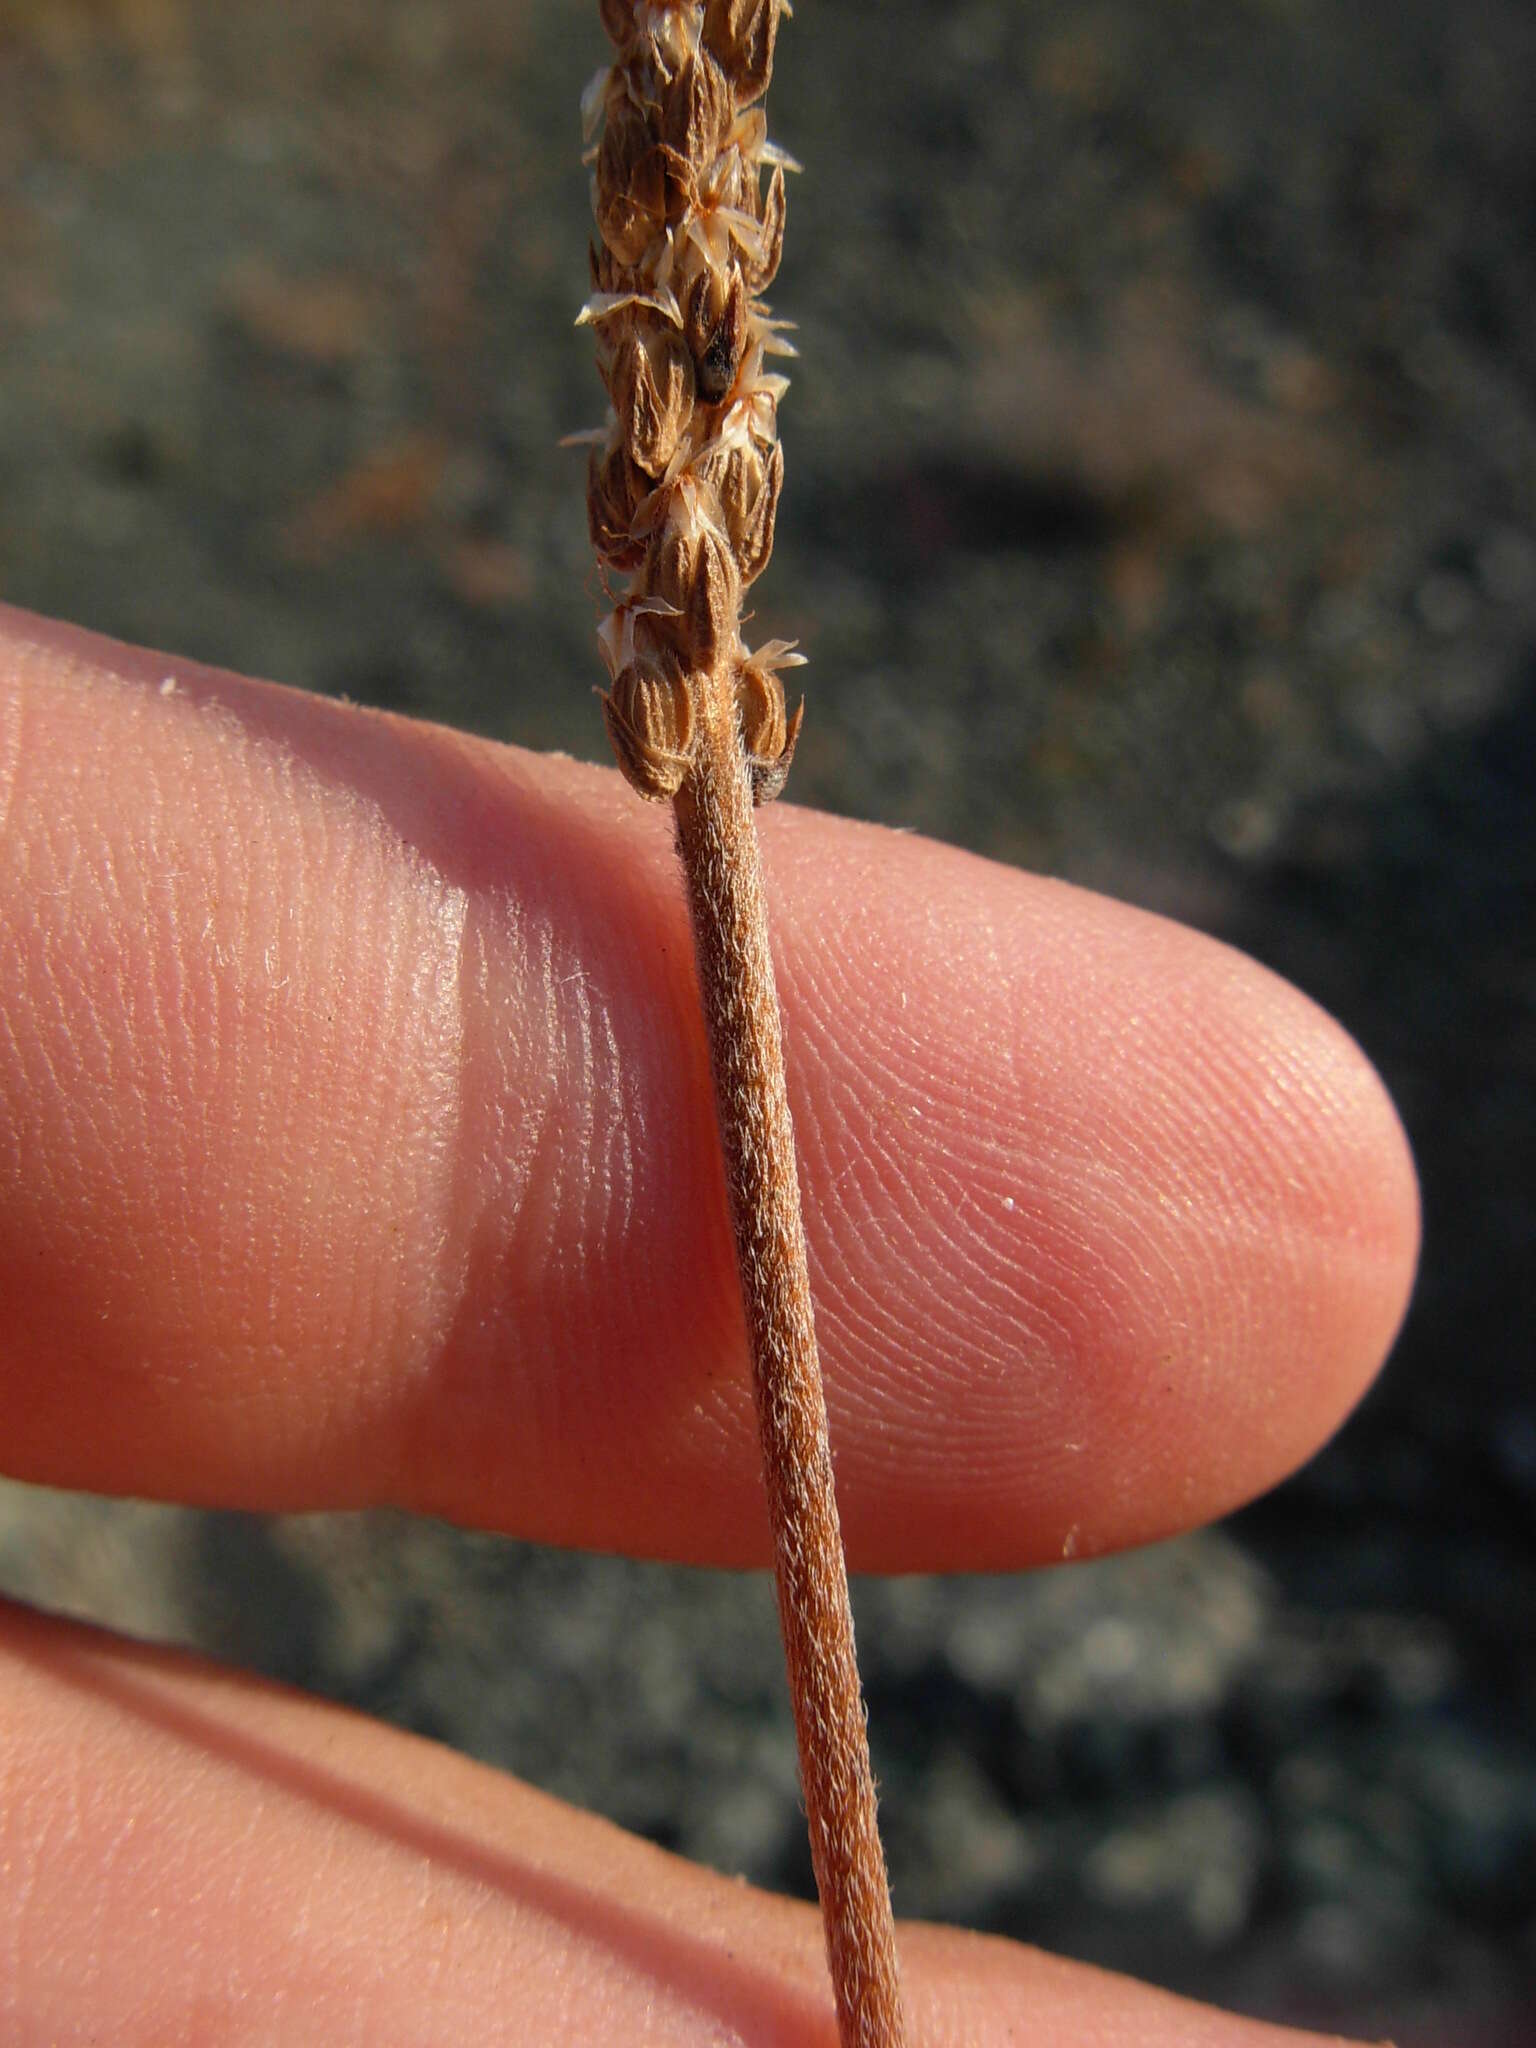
x: 717, y: 842
x: 682, y: 490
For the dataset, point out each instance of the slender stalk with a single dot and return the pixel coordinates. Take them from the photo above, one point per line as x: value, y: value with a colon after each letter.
x: 682, y: 491
x: 717, y: 841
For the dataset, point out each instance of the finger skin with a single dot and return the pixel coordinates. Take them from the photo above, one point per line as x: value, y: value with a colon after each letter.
x: 191, y: 1857
x: 355, y: 1146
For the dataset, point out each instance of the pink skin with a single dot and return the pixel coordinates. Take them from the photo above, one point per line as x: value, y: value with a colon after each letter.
x: 355, y: 1146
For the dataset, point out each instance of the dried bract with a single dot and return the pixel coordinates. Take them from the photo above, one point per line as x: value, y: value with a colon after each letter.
x: 649, y: 375
x: 697, y: 109
x: 767, y: 733
x: 770, y: 775
x: 750, y: 500
x: 743, y: 32
x: 650, y: 720
x: 715, y: 326
x: 763, y: 267
x: 691, y: 567
x: 616, y: 489
x: 643, y: 184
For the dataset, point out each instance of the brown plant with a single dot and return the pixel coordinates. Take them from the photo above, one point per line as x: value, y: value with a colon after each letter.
x: 682, y: 492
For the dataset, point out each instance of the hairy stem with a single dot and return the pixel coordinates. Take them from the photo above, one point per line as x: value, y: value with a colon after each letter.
x: 682, y: 490
x: 717, y: 841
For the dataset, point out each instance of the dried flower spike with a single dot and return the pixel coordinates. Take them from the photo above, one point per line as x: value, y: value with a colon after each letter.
x: 683, y: 487
x: 682, y: 490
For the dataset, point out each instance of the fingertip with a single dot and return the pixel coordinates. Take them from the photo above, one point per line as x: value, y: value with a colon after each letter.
x: 1147, y: 1208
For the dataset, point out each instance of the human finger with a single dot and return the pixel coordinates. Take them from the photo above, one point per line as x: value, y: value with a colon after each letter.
x: 193, y: 1854
x: 357, y: 1147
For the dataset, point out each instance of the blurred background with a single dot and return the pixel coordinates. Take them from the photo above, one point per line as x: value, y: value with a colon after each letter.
x: 1161, y: 514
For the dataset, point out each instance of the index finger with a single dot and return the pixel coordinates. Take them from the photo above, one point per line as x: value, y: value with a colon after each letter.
x: 357, y: 1147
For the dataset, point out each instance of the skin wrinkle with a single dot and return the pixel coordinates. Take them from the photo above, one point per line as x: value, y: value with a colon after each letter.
x: 392, y: 936
x: 367, y: 1318
x: 201, y: 925
x: 549, y: 1200
x: 866, y: 1077
x: 1025, y: 1324
x: 1037, y: 1298
x: 521, y: 1192
x: 506, y: 1017
x: 620, y: 1179
x: 589, y: 1156
x: 1143, y: 1262
x: 73, y: 1060
x: 174, y: 1006
x: 203, y: 1011
x: 870, y: 1084
x: 580, y: 1202
x: 398, y: 934
x: 1138, y: 1175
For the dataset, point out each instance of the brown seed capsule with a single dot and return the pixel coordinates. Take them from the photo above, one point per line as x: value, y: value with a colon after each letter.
x: 628, y: 221
x: 650, y: 719
x: 643, y: 186
x: 715, y: 324
x: 734, y: 472
x: 750, y: 525
x: 616, y: 485
x: 760, y: 706
x: 746, y: 479
x: 626, y: 138
x: 742, y: 32
x: 691, y: 567
x: 649, y: 375
x: 697, y: 109
x: 768, y: 736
